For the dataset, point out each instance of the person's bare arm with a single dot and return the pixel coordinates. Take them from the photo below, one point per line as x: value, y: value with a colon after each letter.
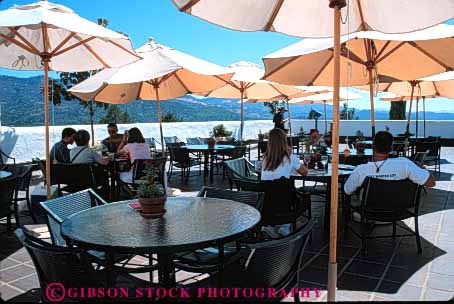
x: 103, y: 161
x: 430, y: 183
x: 303, y: 170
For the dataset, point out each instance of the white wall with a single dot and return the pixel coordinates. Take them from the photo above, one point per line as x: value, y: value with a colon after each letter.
x: 25, y: 143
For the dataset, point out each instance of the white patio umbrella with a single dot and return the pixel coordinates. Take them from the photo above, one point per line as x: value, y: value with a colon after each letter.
x: 314, y: 18
x: 400, y: 56
x: 246, y: 83
x: 46, y: 36
x: 163, y: 73
x: 324, y: 98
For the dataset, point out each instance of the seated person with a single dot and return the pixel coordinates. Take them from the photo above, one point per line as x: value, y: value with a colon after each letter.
x: 383, y: 167
x: 136, y: 148
x: 278, y: 161
x: 60, y: 151
x: 82, y: 154
x: 316, y: 139
x: 114, y: 140
x: 278, y: 119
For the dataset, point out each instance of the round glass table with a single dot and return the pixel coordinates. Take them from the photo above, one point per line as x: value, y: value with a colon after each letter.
x: 5, y: 174
x: 209, y: 154
x: 189, y: 223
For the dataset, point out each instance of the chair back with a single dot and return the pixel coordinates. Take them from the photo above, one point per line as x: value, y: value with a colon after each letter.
x: 432, y: 146
x: 170, y: 139
x: 61, y: 208
x: 279, y: 202
x: 179, y: 155
x: 4, y: 160
x: 139, y: 165
x: 389, y: 196
x: 251, y: 198
x: 276, y: 263
x: 76, y: 175
x: 57, y: 264
x: 24, y: 176
x: 151, y: 142
x: 7, y: 186
x: 420, y: 157
x: 193, y: 141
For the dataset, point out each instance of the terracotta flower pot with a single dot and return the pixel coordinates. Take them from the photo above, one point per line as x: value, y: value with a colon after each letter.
x: 211, y: 143
x: 152, y: 207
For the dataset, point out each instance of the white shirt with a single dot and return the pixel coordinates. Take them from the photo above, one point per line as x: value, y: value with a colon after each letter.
x: 286, y: 169
x: 390, y: 169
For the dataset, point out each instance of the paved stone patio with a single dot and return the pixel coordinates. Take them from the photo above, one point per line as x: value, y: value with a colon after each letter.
x: 391, y: 271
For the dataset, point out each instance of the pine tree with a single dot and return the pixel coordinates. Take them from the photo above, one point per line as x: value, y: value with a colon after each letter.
x: 116, y: 115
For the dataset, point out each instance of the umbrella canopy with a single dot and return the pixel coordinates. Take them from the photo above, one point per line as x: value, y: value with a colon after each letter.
x: 246, y: 83
x: 163, y: 73
x: 365, y: 58
x: 313, y: 18
x: 47, y: 36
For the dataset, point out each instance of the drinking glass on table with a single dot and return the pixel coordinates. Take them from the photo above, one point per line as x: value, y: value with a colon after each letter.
x: 324, y: 159
x: 258, y: 166
x: 307, y: 159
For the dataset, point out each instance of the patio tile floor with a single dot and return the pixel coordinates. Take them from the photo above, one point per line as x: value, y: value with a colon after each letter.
x: 391, y: 271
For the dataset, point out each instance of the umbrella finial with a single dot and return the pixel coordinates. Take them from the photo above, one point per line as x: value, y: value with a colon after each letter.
x: 150, y: 40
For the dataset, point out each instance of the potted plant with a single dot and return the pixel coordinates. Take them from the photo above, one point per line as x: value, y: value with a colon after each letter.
x: 220, y: 133
x: 152, y: 195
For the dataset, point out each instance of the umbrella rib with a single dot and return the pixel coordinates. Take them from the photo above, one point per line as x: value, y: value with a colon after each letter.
x: 276, y: 10
x: 321, y: 70
x: 390, y: 52
x: 413, y: 44
x: 361, y: 15
x: 347, y: 53
x: 28, y: 43
x: 436, y: 89
x: 20, y: 44
x: 124, y: 49
x: 73, y: 46
x: 182, y: 84
x: 382, y: 50
x: 223, y: 80
x: 189, y: 5
x: 46, y: 43
x: 276, y: 89
x: 165, y: 77
x: 64, y: 41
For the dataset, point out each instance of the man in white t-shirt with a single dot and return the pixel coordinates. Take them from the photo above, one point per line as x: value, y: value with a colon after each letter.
x: 383, y: 167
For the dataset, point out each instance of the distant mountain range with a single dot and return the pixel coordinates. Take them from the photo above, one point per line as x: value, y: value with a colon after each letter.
x: 22, y: 105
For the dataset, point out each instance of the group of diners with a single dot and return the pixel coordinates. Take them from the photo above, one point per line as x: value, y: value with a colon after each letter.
x: 130, y: 145
x: 279, y: 161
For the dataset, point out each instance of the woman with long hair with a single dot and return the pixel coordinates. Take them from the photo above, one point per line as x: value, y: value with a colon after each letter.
x: 136, y: 148
x: 278, y: 160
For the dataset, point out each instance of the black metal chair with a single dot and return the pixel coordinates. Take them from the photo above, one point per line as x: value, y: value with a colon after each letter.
x: 4, y: 159
x: 261, y: 148
x: 208, y: 260
x: 181, y: 159
x: 237, y: 169
x: 272, y: 264
x: 420, y: 158
x: 387, y: 201
x: 70, y: 267
x: 193, y: 141
x: 7, y: 187
x: 434, y: 155
x: 283, y: 204
x: 23, y: 176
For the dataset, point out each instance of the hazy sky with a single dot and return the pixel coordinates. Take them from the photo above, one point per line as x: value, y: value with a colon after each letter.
x: 159, y: 19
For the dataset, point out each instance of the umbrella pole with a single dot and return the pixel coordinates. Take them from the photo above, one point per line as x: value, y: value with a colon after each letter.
x: 417, y: 115
x: 163, y: 146
x: 46, y: 123
x: 289, y: 118
x: 372, y: 106
x: 326, y: 120
x: 407, y: 129
x: 242, y: 113
x: 332, y: 266
x: 424, y: 114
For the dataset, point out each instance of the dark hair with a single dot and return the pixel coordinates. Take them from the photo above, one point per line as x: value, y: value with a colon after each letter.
x: 82, y: 137
x: 313, y: 130
x: 135, y: 136
x: 112, y: 125
x: 67, y: 132
x: 276, y: 151
x: 383, y: 142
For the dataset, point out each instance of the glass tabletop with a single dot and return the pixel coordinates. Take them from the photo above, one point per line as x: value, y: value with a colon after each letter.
x: 205, y: 147
x: 189, y: 223
x: 5, y: 174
